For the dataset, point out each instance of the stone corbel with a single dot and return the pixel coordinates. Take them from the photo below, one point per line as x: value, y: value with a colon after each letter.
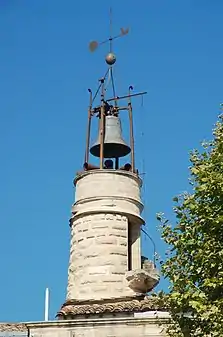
x: 143, y: 280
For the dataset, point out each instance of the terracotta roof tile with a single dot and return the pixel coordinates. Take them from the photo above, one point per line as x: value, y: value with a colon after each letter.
x: 73, y: 308
x: 16, y: 327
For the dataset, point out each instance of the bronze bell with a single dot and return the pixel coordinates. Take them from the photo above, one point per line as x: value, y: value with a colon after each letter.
x: 114, y: 145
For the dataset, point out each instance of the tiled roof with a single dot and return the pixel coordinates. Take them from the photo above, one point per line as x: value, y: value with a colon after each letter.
x: 16, y: 328
x: 72, y: 308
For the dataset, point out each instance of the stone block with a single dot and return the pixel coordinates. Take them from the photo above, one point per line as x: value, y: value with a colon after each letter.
x: 120, y: 233
x: 109, y: 217
x: 90, y: 235
x: 120, y: 226
x: 107, y: 262
x: 97, y: 270
x: 117, y: 270
x: 120, y: 217
x: 98, y: 260
x: 124, y: 261
x: 101, y: 225
x: 98, y: 231
x: 87, y: 219
x: 106, y: 240
x: 97, y: 235
x: 112, y: 278
x: 91, y: 254
x: 80, y: 239
x: 85, y: 243
x: 122, y: 242
x: 100, y: 288
x: 119, y: 250
x: 84, y: 290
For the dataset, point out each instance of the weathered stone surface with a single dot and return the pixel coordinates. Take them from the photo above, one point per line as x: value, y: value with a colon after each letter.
x: 105, y: 326
x: 113, y: 191
x: 97, y: 254
x: 119, y: 270
x: 105, y: 203
x: 106, y: 240
x: 141, y: 280
x: 120, y: 227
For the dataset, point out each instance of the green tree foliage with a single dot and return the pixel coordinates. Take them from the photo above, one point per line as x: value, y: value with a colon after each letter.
x: 194, y: 264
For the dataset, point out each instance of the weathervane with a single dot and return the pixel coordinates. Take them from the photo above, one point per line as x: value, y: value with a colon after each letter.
x: 110, y: 58
x: 108, y: 113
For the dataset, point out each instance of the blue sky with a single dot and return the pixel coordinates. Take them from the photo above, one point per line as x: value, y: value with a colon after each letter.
x: 174, y: 51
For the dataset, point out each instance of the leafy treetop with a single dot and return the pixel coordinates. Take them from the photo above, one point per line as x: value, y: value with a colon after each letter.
x: 194, y: 264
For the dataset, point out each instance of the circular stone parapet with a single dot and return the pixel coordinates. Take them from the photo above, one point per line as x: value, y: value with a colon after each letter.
x: 108, y: 191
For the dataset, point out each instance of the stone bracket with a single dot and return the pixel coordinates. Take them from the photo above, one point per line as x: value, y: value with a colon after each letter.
x: 143, y: 280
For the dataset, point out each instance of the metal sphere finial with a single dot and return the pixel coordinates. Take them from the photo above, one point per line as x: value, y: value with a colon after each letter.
x: 110, y: 59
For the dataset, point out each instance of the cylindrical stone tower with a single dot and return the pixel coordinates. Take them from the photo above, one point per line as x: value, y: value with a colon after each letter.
x: 105, y: 234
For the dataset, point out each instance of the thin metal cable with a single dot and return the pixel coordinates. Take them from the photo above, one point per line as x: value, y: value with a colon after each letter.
x: 154, y: 245
x: 113, y: 85
x: 99, y: 87
x: 108, y: 80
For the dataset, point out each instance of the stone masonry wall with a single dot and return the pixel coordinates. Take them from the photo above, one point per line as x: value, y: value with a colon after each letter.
x: 101, y: 327
x: 98, y: 257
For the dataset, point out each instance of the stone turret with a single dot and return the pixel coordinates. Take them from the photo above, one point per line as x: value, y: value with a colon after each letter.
x: 105, y: 234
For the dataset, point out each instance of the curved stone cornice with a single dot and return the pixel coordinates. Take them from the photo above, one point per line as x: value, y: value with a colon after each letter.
x: 82, y: 174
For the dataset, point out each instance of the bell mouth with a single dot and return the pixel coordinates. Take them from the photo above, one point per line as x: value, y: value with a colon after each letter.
x: 111, y: 150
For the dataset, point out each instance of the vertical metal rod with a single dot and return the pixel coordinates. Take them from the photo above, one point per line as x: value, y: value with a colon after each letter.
x: 116, y: 163
x: 102, y: 125
x: 110, y: 38
x: 88, y: 129
x: 131, y: 132
x: 131, y: 138
x: 46, y: 314
x: 113, y: 86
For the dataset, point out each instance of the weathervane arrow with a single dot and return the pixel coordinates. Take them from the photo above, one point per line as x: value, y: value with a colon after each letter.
x: 93, y: 45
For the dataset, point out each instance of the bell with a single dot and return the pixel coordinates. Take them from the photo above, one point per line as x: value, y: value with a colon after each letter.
x: 114, y: 145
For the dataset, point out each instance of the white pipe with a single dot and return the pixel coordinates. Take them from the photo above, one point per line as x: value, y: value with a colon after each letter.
x: 47, y: 293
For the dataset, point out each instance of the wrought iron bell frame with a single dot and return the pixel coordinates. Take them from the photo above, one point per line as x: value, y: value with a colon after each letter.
x: 101, y: 110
